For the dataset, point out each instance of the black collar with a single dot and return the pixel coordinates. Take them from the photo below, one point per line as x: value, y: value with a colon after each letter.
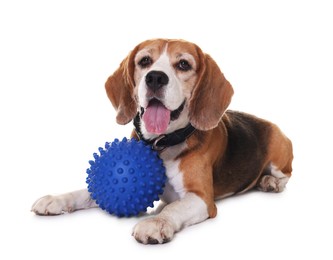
x: 166, y: 140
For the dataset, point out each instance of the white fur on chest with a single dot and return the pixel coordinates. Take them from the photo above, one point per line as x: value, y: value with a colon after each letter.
x: 174, y: 188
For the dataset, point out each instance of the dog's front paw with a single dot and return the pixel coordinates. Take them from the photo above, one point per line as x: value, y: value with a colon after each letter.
x: 51, y: 205
x: 154, y: 230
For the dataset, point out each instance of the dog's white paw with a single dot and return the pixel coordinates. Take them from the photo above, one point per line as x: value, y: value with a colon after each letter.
x: 154, y: 230
x: 51, y: 205
x: 270, y: 183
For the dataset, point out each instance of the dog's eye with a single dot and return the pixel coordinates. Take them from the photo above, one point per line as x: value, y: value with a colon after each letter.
x: 145, y: 62
x: 183, y: 65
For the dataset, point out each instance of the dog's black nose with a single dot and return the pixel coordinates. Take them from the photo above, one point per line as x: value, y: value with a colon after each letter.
x: 156, y: 79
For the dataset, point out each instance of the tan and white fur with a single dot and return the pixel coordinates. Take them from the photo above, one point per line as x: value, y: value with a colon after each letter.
x: 229, y: 153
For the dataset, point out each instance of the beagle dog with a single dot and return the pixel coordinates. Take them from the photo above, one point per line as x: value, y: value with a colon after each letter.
x: 178, y: 97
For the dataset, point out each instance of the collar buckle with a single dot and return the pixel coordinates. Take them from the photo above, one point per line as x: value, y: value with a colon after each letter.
x: 157, y: 147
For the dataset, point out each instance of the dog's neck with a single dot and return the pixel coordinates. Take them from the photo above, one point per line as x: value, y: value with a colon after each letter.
x: 164, y: 141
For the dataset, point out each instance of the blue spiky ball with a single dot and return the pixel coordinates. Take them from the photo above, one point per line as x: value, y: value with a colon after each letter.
x: 126, y: 177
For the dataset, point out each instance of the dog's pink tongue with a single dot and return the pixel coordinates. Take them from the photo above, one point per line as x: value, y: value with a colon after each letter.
x: 156, y: 117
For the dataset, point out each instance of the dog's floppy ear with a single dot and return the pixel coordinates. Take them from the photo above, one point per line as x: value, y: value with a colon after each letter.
x: 120, y: 90
x: 211, y: 95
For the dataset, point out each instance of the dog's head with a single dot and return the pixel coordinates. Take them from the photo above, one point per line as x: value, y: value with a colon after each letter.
x: 171, y: 83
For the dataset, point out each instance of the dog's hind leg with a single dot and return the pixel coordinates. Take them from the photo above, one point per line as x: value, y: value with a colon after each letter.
x: 279, y: 162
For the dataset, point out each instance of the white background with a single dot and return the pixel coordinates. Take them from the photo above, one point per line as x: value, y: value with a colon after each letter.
x: 54, y: 59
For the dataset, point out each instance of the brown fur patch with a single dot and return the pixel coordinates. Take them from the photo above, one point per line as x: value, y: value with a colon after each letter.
x: 280, y: 151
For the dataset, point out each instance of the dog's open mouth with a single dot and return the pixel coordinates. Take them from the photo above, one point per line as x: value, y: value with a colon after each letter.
x: 157, y: 117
